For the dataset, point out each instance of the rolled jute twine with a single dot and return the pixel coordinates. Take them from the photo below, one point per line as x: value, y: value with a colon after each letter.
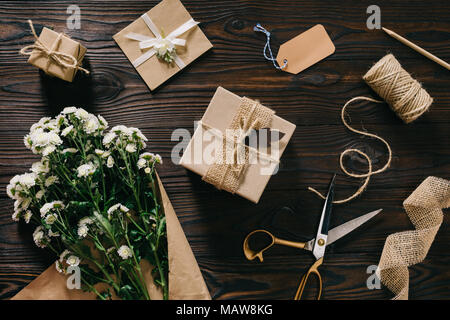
x: 403, y: 249
x: 52, y: 54
x: 405, y: 95
x: 225, y: 174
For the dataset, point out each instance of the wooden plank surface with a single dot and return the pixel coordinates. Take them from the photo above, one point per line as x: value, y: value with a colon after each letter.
x: 216, y: 222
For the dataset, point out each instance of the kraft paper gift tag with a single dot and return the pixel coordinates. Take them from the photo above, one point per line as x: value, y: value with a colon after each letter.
x: 219, y: 115
x: 305, y: 49
x: 167, y: 16
x: 66, y: 45
x: 185, y: 278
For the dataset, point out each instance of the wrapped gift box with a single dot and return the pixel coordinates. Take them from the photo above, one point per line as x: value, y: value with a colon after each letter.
x: 164, y: 18
x: 65, y: 45
x: 220, y: 115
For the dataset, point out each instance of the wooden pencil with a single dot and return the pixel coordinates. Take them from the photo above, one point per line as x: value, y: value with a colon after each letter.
x: 417, y: 48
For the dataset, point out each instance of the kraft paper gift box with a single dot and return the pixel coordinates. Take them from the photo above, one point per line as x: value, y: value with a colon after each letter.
x: 63, y: 45
x: 185, y: 278
x: 165, y: 18
x: 219, y: 115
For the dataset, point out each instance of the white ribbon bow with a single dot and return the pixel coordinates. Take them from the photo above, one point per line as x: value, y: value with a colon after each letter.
x: 155, y: 43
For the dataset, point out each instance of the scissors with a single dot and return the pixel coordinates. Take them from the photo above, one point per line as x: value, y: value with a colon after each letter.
x: 316, y: 245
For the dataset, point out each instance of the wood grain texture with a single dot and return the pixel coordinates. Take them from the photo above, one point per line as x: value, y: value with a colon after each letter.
x: 215, y: 222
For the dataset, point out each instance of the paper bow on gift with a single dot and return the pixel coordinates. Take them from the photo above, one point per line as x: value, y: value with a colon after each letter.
x: 60, y: 58
x: 168, y: 42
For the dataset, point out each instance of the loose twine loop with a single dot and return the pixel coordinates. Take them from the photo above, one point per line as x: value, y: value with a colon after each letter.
x: 370, y: 171
x: 52, y: 54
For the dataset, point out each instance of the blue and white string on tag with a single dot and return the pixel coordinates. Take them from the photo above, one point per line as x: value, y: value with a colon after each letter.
x: 259, y: 28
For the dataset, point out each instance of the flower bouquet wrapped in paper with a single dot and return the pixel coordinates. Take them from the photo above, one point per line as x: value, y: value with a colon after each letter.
x: 98, y: 204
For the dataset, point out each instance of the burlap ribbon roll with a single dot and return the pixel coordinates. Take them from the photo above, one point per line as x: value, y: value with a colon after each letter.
x: 232, y: 158
x: 403, y: 249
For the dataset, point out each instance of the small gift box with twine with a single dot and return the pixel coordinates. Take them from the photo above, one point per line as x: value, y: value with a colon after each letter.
x: 55, y: 53
x: 221, y: 150
x: 162, y: 41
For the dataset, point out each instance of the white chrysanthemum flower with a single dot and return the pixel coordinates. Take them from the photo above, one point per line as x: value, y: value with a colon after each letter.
x: 53, y: 234
x: 86, y: 170
x: 91, y: 124
x: 125, y: 252
x: 48, y: 150
x: 158, y: 159
x: 40, y: 167
x: 16, y: 215
x: 69, y: 110
x: 59, y: 267
x: 110, y: 162
x: 99, y: 152
x: 47, y: 207
x: 83, y: 231
x: 63, y: 255
x: 51, y: 218
x: 27, y: 179
x: 147, y: 170
x: 82, y: 114
x: 147, y: 156
x: 73, y: 261
x: 39, y: 194
x: 131, y: 147
x: 141, y: 163
x: 50, y: 180
x: 69, y: 150
x: 27, y: 216
x: 103, y: 122
x: 109, y: 138
x: 117, y: 207
x: 10, y: 191
x: 39, y: 237
x: 67, y: 130
x: 85, y: 221
x: 27, y: 141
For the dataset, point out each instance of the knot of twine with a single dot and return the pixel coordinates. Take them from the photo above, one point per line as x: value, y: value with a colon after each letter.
x: 405, y: 95
x: 403, y: 249
x: 370, y: 171
x: 250, y: 116
x: 52, y: 54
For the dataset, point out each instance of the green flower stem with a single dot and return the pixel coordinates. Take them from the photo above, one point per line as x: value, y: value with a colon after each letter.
x: 161, y: 273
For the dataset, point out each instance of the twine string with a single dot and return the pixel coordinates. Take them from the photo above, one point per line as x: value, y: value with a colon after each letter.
x: 52, y: 54
x: 370, y: 171
x: 267, y: 49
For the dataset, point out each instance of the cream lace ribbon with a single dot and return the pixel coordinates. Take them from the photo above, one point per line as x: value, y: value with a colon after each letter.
x: 403, y: 249
x: 52, y: 54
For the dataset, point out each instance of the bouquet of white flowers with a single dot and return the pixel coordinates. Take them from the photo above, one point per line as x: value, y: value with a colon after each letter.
x: 95, y: 202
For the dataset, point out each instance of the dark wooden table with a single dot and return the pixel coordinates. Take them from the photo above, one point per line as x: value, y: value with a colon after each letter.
x: 216, y: 222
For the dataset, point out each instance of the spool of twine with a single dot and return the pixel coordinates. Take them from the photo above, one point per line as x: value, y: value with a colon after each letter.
x: 405, y: 95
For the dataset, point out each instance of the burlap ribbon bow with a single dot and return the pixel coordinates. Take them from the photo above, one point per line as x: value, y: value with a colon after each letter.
x: 52, y: 53
x: 232, y: 159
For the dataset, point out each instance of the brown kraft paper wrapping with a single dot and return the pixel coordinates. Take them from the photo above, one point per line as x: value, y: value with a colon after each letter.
x: 185, y: 279
x: 66, y: 45
x: 168, y: 15
x: 219, y: 115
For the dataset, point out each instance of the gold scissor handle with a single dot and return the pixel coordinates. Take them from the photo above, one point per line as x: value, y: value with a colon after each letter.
x: 252, y: 254
x: 304, y: 280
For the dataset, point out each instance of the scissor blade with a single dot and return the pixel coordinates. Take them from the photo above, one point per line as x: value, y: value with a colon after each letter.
x: 347, y: 227
x: 338, y: 232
